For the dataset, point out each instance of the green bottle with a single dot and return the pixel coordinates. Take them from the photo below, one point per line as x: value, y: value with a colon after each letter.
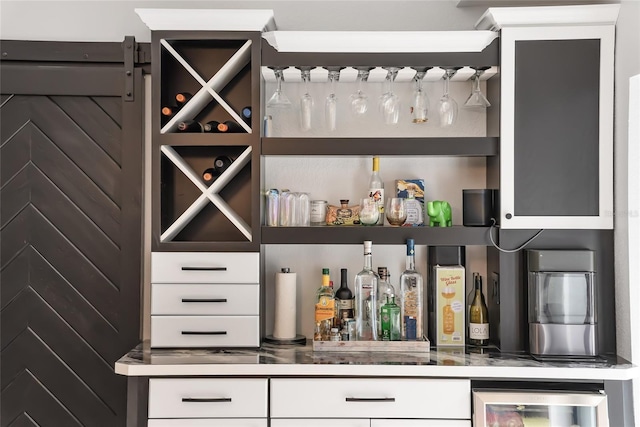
x: 390, y: 314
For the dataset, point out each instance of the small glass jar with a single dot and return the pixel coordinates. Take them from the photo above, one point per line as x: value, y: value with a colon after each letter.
x: 318, y: 212
x: 335, y: 334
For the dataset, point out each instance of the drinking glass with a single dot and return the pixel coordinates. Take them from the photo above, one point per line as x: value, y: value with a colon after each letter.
x: 447, y: 106
x: 331, y: 103
x: 477, y: 98
x: 279, y: 99
x: 369, y: 213
x: 420, y: 105
x: 358, y: 100
x: 389, y: 101
x: 396, y: 211
x: 306, y: 100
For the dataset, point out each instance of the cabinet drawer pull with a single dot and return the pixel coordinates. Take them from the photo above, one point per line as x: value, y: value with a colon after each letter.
x: 204, y: 332
x: 370, y: 399
x: 206, y: 399
x: 204, y: 300
x: 204, y: 268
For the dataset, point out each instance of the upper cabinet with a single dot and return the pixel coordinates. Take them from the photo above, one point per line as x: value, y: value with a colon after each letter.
x: 556, y: 119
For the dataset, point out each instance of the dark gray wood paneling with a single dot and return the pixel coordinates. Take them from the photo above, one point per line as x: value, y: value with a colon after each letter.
x: 70, y: 236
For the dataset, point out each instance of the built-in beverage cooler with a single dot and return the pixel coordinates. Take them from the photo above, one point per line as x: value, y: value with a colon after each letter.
x: 532, y: 408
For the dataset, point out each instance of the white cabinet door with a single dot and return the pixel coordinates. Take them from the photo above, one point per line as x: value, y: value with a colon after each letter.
x: 218, y: 422
x: 556, y: 127
x: 312, y: 422
x: 420, y: 423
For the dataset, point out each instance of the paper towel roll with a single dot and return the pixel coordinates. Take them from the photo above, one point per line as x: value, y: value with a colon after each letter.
x: 285, y: 307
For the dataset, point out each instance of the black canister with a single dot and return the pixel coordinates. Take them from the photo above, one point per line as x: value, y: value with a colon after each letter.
x: 477, y: 207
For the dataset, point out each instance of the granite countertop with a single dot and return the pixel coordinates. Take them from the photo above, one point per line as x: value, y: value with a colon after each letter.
x: 296, y: 360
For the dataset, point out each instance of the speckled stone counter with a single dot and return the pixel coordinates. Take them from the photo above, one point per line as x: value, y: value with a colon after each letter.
x: 273, y: 360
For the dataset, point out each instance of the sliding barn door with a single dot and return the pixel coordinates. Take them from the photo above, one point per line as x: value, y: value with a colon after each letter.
x: 70, y: 232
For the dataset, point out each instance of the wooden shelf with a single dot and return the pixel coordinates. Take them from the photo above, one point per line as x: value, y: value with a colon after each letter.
x: 467, y: 146
x: 446, y: 236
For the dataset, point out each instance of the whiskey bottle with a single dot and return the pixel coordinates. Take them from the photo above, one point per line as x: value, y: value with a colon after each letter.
x: 376, y: 189
x: 411, y: 289
x: 344, y: 299
x: 478, y: 315
x: 325, y: 311
x: 385, y: 291
x: 366, y: 287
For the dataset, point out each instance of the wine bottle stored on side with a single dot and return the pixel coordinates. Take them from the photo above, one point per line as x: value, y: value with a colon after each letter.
x: 230, y: 127
x: 183, y: 97
x: 169, y: 111
x: 211, y: 126
x: 344, y: 299
x: 221, y: 164
x: 209, y: 175
x: 376, y: 190
x: 478, y: 315
x: 246, y: 114
x: 190, y: 126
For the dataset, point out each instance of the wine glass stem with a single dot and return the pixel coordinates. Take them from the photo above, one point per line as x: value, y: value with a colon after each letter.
x: 446, y: 84
x: 279, y: 82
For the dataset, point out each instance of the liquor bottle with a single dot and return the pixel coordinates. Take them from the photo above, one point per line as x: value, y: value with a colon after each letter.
x: 221, y: 164
x: 376, y: 189
x: 415, y: 210
x: 478, y: 315
x: 246, y: 114
x: 211, y: 127
x: 325, y: 311
x: 385, y: 291
x: 209, y: 175
x: 411, y: 289
x: 229, y: 127
x: 390, y: 319
x: 366, y: 287
x: 183, y: 97
x: 190, y: 126
x: 344, y: 299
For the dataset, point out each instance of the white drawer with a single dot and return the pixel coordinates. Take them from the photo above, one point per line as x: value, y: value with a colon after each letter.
x: 188, y: 299
x: 205, y: 331
x: 205, y: 267
x: 371, y: 398
x: 420, y: 423
x: 207, y: 398
x: 329, y: 422
x: 219, y: 422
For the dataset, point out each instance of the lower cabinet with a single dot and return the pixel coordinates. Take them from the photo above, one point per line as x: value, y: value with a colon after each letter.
x: 333, y: 422
x: 218, y: 422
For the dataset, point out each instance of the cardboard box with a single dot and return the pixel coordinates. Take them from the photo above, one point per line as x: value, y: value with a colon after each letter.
x: 450, y: 306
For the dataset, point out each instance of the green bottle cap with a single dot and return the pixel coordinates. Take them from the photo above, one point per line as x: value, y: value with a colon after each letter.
x: 325, y: 271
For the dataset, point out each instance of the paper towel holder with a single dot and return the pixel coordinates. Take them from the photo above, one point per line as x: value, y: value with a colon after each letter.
x: 298, y: 340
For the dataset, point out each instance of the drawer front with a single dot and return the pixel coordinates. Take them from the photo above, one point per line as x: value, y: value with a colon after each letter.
x: 420, y: 423
x: 205, y: 267
x: 204, y: 299
x: 205, y: 331
x: 371, y: 398
x: 319, y: 422
x: 220, y: 422
x: 207, y: 398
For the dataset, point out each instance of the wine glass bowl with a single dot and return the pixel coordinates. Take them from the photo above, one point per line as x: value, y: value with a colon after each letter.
x: 306, y: 101
x: 447, y: 106
x: 359, y: 101
x: 420, y: 100
x: 389, y: 101
x: 369, y: 211
x: 396, y: 211
x: 476, y: 99
x: 279, y: 99
x: 331, y: 102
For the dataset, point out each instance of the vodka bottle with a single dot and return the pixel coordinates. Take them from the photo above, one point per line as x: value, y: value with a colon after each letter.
x: 376, y: 189
x: 366, y: 286
x: 411, y: 288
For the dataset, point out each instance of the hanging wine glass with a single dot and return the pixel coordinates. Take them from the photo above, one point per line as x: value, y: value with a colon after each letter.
x: 331, y: 102
x: 306, y: 100
x: 279, y: 99
x: 389, y: 101
x: 477, y: 98
x: 420, y: 100
x: 358, y: 100
x: 447, y: 106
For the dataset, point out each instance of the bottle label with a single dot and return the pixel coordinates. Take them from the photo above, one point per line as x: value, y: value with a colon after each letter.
x: 377, y: 194
x: 448, y: 320
x: 479, y: 331
x: 325, y: 309
x: 345, y: 309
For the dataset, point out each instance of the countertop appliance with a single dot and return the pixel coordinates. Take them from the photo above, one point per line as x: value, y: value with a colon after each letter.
x: 562, y: 303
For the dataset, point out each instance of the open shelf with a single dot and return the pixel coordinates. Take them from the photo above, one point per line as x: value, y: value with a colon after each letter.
x: 464, y: 146
x: 441, y: 236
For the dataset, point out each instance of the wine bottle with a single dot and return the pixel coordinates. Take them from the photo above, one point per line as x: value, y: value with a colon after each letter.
x: 183, y: 97
x: 246, y: 114
x: 211, y: 126
x: 169, y: 111
x: 209, y: 175
x: 411, y: 289
x: 221, y: 164
x: 230, y: 127
x: 385, y: 291
x: 190, y: 126
x: 366, y: 288
x: 478, y: 315
x: 325, y: 312
x: 376, y: 189
x: 344, y: 299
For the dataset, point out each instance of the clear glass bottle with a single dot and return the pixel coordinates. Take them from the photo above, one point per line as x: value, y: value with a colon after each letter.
x: 344, y: 300
x: 385, y: 290
x: 478, y: 315
x: 415, y: 210
x: 376, y: 189
x: 366, y: 286
x: 411, y: 290
x: 325, y: 311
x: 390, y: 320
